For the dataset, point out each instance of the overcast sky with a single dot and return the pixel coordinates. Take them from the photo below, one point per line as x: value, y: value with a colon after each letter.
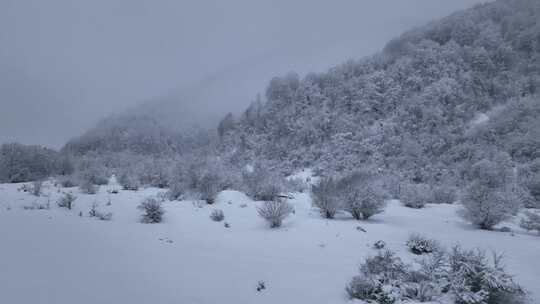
x: 66, y: 63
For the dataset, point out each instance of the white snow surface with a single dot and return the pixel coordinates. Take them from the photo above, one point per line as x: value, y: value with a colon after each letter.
x: 56, y: 256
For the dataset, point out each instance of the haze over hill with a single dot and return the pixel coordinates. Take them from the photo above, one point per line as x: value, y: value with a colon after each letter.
x: 66, y: 64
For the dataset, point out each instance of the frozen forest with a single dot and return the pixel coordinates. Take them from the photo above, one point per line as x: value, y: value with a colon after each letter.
x: 408, y: 176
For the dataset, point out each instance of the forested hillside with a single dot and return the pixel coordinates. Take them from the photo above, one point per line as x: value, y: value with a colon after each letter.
x: 433, y: 102
x: 453, y: 91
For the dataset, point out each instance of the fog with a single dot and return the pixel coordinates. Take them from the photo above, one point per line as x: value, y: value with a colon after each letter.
x: 64, y: 64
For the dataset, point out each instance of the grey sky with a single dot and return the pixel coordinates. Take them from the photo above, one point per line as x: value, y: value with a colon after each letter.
x: 66, y: 63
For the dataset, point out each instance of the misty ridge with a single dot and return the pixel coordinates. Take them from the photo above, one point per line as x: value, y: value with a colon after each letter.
x: 408, y: 176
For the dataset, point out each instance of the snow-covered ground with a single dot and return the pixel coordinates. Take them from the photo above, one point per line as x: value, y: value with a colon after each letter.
x: 56, y: 256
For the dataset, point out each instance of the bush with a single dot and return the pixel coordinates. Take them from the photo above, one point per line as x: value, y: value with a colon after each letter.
x: 444, y: 195
x: 416, y: 195
x: 325, y: 196
x: 420, y: 245
x: 208, y: 187
x: 128, y: 181
x: 531, y: 222
x: 490, y: 197
x: 217, y: 215
x: 262, y: 188
x: 486, y: 207
x: 94, y: 212
x: 152, y: 211
x: 97, y: 175
x: 466, y: 276
x: 67, y: 201
x: 67, y: 181
x: 379, y: 279
x: 262, y: 185
x: 275, y: 211
x: 104, y: 216
x: 473, y: 279
x: 363, y: 201
x: 177, y: 186
x: 87, y: 187
x: 36, y: 188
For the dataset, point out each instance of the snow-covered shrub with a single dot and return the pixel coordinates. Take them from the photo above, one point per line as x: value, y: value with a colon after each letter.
x: 37, y: 206
x: 418, y: 244
x: 154, y: 172
x: 93, y: 209
x: 275, y: 211
x: 392, y: 185
x: 363, y: 201
x: 94, y: 212
x: 262, y: 185
x: 96, y: 175
x: 36, y: 188
x: 487, y: 207
x: 88, y: 187
x: 490, y: 197
x: 66, y: 201
x: 128, y: 181
x: 415, y: 195
x: 325, y: 196
x: 208, y: 187
x: 428, y: 281
x: 152, y: 211
x: 379, y: 279
x: 462, y: 276
x: 531, y: 222
x: 104, y: 216
x: 380, y: 244
x: 67, y: 181
x: 217, y: 215
x: 444, y: 195
x: 177, y: 186
x: 475, y: 280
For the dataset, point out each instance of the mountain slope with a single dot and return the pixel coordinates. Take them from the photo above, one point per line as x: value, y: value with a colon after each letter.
x: 409, y: 108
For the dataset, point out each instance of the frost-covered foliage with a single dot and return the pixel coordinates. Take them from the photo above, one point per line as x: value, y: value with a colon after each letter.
x: 529, y: 178
x: 36, y: 188
x: 152, y: 211
x: 217, y: 215
x: 92, y: 170
x: 531, y: 222
x: 66, y: 201
x: 204, y: 177
x: 464, y: 276
x: 411, y: 109
x: 67, y: 181
x: 418, y: 244
x: 88, y: 187
x: 378, y: 279
x: 443, y: 194
x: 95, y: 212
x: 474, y: 279
x: 325, y: 196
x: 21, y: 163
x: 128, y: 181
x: 416, y: 195
x: 275, y: 211
x: 262, y: 183
x: 208, y: 186
x: 364, y: 202
x: 489, y: 198
x: 362, y: 195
